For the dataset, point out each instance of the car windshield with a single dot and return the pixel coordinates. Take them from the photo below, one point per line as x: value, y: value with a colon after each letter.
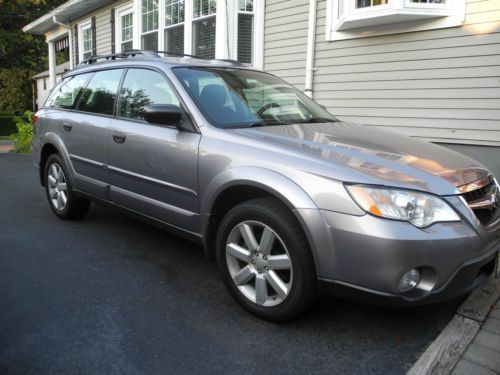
x: 239, y: 98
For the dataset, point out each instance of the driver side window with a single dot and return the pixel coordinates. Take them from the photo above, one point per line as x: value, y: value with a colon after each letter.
x: 141, y: 88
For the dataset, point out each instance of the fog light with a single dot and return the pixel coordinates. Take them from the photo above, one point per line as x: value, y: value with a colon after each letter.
x: 409, y: 280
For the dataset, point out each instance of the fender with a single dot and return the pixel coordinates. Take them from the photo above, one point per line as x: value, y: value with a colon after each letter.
x: 54, y: 140
x: 280, y: 186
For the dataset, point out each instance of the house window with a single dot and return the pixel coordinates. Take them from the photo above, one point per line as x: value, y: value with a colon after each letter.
x: 369, y: 3
x: 174, y: 26
x: 245, y: 31
x: 127, y: 32
x: 357, y: 18
x: 204, y: 28
x: 85, y: 40
x: 149, y: 37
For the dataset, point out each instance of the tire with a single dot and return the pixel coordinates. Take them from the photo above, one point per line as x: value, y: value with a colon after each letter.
x: 253, y: 277
x: 58, y: 189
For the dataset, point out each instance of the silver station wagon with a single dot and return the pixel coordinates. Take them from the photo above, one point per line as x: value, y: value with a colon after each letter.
x: 289, y: 200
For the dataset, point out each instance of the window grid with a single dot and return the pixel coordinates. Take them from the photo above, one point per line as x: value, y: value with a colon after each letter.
x: 369, y: 3
x: 87, y: 43
x: 204, y: 8
x: 127, y: 28
x: 174, y: 12
x: 149, y: 15
x: 246, y: 6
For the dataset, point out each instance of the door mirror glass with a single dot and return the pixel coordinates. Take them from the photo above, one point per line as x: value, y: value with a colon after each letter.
x: 163, y: 114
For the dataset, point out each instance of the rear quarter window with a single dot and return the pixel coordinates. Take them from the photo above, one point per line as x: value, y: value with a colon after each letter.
x: 67, y: 92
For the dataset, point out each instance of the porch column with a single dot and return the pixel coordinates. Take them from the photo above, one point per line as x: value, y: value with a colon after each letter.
x: 52, y: 64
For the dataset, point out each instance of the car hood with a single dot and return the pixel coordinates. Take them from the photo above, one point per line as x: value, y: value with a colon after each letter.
x: 376, y: 156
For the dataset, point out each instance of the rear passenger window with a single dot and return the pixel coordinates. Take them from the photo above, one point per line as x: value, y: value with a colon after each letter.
x: 141, y: 88
x: 100, y: 94
x: 66, y: 93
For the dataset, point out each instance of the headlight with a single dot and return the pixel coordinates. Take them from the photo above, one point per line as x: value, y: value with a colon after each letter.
x: 420, y: 209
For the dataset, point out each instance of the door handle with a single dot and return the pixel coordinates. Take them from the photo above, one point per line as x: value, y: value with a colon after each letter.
x: 119, y: 138
x: 67, y: 127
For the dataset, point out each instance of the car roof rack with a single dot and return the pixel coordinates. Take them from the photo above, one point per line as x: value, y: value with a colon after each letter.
x: 149, y: 54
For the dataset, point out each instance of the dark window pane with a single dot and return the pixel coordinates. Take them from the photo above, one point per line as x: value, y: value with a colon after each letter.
x: 204, y: 38
x: 66, y: 92
x: 245, y: 36
x: 150, y: 42
x: 127, y: 46
x: 174, y: 39
x: 141, y: 88
x: 100, y: 94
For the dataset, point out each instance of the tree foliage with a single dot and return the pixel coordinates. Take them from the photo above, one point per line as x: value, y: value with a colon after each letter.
x: 21, y: 55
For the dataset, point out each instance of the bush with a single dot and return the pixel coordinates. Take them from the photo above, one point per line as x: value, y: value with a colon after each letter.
x: 24, y: 134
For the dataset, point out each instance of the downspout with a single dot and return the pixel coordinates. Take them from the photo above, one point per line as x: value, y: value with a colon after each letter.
x: 311, y: 40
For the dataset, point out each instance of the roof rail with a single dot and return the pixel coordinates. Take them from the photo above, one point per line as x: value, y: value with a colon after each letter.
x: 144, y: 53
x: 121, y: 55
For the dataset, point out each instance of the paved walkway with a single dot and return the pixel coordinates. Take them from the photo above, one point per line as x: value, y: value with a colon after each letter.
x: 6, y: 146
x: 482, y: 357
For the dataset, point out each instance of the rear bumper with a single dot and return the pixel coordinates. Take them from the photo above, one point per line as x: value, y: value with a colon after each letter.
x: 467, y: 277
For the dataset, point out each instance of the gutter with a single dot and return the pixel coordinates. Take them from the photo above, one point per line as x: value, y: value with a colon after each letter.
x: 311, y: 40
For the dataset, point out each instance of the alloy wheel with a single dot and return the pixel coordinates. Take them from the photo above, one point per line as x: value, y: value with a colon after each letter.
x: 58, y: 190
x: 259, y: 263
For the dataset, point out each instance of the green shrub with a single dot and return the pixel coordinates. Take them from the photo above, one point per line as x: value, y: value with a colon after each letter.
x: 24, y: 134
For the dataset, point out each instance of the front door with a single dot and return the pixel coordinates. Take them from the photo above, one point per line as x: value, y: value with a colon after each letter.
x: 153, y: 168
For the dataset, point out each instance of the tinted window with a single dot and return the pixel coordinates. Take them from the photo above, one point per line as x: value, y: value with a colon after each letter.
x: 100, y: 94
x: 66, y: 93
x: 141, y: 88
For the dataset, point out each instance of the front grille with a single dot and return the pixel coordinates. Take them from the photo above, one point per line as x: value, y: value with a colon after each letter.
x: 488, y: 212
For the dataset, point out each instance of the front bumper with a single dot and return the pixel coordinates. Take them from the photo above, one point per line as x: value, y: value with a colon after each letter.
x: 465, y: 279
x: 364, y: 257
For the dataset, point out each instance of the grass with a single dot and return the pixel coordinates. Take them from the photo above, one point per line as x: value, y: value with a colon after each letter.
x: 7, y: 137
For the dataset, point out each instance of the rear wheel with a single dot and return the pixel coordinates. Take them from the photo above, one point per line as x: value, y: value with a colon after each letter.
x: 265, y: 260
x: 59, y: 192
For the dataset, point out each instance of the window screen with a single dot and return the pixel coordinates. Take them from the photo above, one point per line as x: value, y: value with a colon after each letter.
x: 100, y: 94
x: 245, y: 32
x: 204, y: 37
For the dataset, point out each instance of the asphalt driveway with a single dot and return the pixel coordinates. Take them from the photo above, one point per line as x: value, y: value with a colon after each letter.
x: 111, y: 295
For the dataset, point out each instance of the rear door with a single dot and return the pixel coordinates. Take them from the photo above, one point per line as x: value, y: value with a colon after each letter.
x: 153, y: 168
x: 85, y: 131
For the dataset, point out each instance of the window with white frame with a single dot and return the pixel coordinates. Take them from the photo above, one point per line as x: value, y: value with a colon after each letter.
x: 85, y: 40
x: 245, y: 31
x: 126, y: 31
x: 149, y: 35
x: 231, y: 29
x: 174, y: 26
x: 204, y: 23
x: 354, y: 18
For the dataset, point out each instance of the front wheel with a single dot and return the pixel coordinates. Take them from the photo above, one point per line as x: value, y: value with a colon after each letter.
x: 265, y: 260
x: 59, y: 192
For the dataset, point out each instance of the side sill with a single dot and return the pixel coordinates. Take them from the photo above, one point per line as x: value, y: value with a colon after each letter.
x: 188, y: 235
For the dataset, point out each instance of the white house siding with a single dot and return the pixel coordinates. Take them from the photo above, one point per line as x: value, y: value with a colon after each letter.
x: 103, y: 27
x: 285, y: 39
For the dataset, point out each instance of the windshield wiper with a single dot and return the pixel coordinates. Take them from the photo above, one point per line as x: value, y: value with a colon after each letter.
x: 256, y: 124
x: 315, y: 120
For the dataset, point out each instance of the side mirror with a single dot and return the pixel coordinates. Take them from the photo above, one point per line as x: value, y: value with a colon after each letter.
x: 163, y: 114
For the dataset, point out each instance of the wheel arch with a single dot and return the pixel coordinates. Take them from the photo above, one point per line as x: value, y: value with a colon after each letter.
x: 53, y: 145
x: 241, y: 184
